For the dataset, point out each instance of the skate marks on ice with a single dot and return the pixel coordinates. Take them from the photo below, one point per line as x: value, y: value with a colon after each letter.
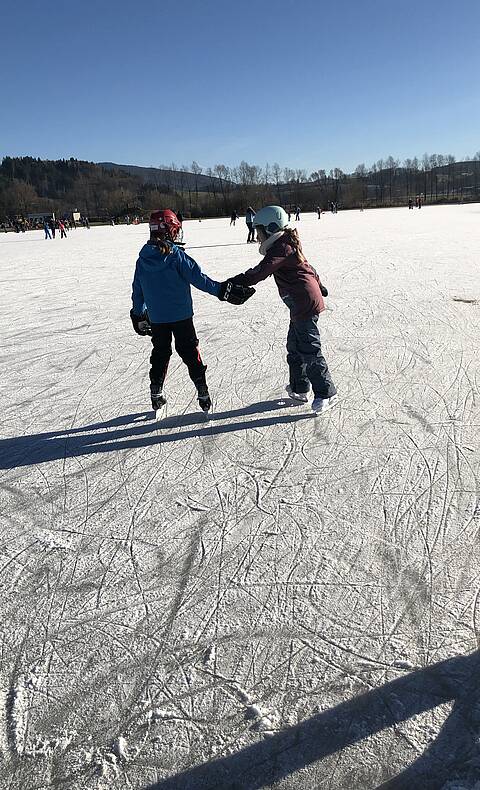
x: 192, y: 601
x: 273, y: 759
x: 132, y: 431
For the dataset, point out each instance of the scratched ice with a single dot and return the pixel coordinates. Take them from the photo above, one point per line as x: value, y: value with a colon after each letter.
x: 268, y: 598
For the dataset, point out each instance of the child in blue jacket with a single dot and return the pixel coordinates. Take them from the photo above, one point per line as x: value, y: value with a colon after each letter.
x: 162, y: 304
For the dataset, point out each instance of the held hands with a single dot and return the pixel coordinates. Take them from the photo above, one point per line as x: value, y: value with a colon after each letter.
x: 234, y: 293
x: 141, y: 324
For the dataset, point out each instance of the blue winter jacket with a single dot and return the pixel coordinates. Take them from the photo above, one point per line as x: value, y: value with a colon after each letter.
x: 162, y: 284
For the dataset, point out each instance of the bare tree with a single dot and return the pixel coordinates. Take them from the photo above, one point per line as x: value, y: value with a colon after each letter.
x: 425, y: 169
x: 433, y: 175
x: 196, y: 170
x: 391, y: 164
x: 223, y: 174
x: 450, y: 160
x: 361, y: 174
x: 276, y: 174
x: 212, y: 186
x: 185, y: 170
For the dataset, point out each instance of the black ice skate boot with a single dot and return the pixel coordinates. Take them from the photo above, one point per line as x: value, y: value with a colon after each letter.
x: 198, y: 378
x: 157, y: 396
x: 203, y: 394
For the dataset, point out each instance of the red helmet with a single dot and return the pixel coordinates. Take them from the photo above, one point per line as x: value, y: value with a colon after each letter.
x: 165, y: 223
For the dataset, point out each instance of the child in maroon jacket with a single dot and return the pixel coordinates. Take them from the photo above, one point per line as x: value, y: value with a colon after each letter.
x: 300, y: 288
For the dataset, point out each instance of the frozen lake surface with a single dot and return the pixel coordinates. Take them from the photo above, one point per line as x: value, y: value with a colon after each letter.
x: 265, y: 599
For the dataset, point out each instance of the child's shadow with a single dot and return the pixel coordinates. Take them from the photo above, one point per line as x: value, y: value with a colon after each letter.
x: 199, y: 418
x: 137, y: 430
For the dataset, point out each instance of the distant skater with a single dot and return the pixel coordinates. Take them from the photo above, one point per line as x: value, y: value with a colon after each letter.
x: 233, y: 218
x: 297, y: 213
x: 46, y: 228
x: 410, y: 203
x: 63, y: 232
x: 319, y: 212
x: 250, y: 214
x: 51, y: 224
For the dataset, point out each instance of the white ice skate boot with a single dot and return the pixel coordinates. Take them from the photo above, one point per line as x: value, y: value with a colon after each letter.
x: 302, y: 397
x: 321, y: 405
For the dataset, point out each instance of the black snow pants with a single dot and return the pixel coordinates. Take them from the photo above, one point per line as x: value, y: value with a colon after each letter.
x: 251, y: 232
x: 186, y: 346
x: 305, y: 360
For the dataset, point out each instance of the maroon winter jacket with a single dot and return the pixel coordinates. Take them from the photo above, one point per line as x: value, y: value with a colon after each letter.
x: 297, y: 282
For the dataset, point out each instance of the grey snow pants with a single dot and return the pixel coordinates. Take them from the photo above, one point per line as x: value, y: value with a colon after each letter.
x: 305, y: 360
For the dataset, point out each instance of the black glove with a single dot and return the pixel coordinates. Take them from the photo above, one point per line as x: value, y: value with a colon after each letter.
x: 239, y: 279
x: 323, y: 290
x: 233, y: 293
x: 141, y: 324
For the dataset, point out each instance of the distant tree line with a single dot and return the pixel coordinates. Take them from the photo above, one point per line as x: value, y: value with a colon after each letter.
x: 29, y: 185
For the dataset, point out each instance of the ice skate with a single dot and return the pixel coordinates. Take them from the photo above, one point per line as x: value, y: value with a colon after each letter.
x: 301, y: 397
x: 321, y: 405
x: 158, y: 397
x: 204, y: 400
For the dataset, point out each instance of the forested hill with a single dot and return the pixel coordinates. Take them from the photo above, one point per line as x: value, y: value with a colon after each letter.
x: 174, y: 178
x: 105, y: 190
x: 29, y: 184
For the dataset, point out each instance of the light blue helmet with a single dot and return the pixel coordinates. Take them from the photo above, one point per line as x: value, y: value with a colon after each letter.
x: 272, y: 218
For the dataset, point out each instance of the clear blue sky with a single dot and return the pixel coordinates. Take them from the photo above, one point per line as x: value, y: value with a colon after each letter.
x: 307, y: 83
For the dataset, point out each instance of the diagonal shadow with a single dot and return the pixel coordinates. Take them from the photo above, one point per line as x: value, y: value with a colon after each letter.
x: 136, y: 430
x: 277, y: 757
